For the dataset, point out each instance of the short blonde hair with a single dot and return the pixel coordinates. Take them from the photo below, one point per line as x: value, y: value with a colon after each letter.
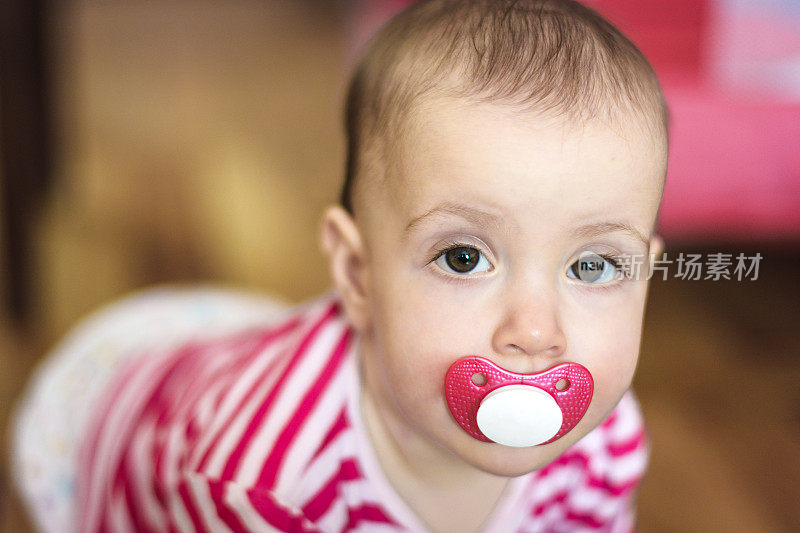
x: 555, y: 57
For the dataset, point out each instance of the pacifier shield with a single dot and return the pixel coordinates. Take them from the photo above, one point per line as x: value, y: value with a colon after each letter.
x: 495, y: 405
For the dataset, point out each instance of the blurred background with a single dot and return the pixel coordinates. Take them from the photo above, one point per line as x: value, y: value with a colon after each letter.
x: 195, y: 141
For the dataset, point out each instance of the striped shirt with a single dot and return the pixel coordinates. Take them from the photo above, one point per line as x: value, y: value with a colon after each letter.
x: 262, y: 431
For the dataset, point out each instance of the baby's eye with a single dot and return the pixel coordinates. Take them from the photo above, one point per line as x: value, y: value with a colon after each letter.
x: 463, y: 260
x: 593, y: 268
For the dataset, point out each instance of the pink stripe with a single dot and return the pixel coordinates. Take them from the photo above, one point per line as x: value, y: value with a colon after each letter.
x: 277, y: 515
x: 367, y: 513
x: 586, y: 520
x: 164, y: 368
x: 272, y: 336
x: 241, y: 359
x: 88, y: 453
x: 319, y: 504
x: 340, y: 425
x: 226, y: 514
x: 263, y: 340
x: 161, y: 402
x: 247, y: 397
x: 557, y: 498
x: 178, y: 397
x: 191, y: 509
x: 235, y: 458
x: 578, y: 459
x: 624, y: 448
x: 570, y: 458
x: 616, y: 490
x: 104, y: 527
x: 266, y: 478
x: 123, y: 482
x: 158, y: 451
x: 223, y: 429
x: 611, y: 420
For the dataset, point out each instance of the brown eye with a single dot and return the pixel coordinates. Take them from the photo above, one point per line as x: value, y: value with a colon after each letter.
x: 463, y: 260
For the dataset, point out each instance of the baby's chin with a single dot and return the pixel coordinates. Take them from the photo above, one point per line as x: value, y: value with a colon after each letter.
x: 509, y: 461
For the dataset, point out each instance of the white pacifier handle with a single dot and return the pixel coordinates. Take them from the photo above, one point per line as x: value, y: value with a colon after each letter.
x: 519, y: 415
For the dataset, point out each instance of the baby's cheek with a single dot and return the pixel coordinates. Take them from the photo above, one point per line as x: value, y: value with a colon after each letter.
x: 610, y: 350
x: 413, y: 358
x: 612, y: 372
x: 614, y: 367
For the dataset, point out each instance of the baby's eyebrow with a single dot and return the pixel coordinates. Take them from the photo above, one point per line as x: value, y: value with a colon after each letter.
x: 466, y: 212
x: 588, y: 231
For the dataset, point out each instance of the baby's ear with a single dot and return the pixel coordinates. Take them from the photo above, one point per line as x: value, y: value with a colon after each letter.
x: 342, y: 243
x: 656, y: 249
x: 656, y: 246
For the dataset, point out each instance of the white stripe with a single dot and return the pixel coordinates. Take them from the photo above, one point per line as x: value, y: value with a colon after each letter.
x: 335, y: 518
x: 178, y: 513
x: 284, y: 405
x: 628, y: 467
x: 324, y: 467
x: 204, y: 411
x: 246, y: 378
x: 141, y: 472
x: 628, y: 422
x: 557, y: 480
x: 230, y: 438
x: 365, y: 526
x: 204, y: 503
x: 624, y: 522
x: 595, y: 502
x: 552, y: 518
x: 359, y: 492
x: 606, y: 509
x: 549, y: 520
x: 236, y: 499
x: 356, y: 493
x: 593, y: 443
x: 115, y: 426
x: 308, y: 439
x: 587, y: 499
x: 531, y: 526
x: 627, y: 425
x: 201, y: 384
x: 197, y: 402
x: 118, y: 514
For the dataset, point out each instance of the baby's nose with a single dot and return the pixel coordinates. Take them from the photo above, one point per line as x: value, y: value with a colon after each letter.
x: 532, y: 328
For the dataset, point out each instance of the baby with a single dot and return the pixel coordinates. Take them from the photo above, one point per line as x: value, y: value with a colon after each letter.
x: 471, y: 370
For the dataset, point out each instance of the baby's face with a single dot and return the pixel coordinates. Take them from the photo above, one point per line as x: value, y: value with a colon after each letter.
x: 472, y: 251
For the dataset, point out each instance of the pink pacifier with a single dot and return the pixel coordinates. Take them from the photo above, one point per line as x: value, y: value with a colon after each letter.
x: 495, y: 405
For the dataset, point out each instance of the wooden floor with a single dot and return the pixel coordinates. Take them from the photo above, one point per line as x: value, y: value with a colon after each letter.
x: 200, y: 141
x: 718, y: 381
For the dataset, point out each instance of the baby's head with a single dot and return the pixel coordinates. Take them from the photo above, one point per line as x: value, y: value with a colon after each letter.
x: 490, y: 145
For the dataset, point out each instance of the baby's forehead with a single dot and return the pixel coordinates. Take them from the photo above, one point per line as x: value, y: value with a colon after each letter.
x: 496, y: 155
x: 431, y: 115
x: 460, y: 132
